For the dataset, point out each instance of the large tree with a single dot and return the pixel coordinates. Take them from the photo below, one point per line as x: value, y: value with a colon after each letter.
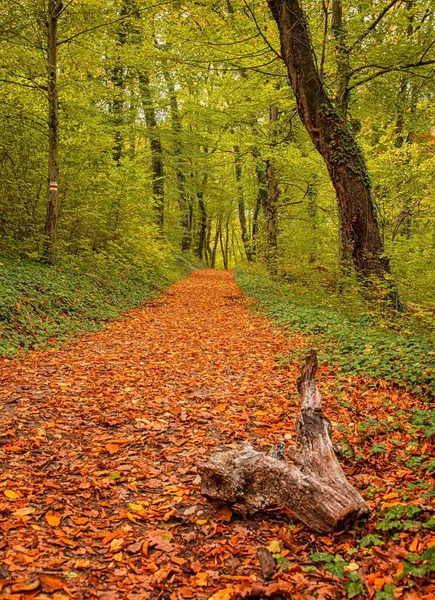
x: 334, y: 140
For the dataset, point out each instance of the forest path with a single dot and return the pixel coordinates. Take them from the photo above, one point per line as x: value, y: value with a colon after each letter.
x: 99, y: 442
x: 120, y: 418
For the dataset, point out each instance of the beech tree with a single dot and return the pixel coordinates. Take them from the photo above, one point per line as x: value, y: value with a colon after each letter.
x: 334, y: 140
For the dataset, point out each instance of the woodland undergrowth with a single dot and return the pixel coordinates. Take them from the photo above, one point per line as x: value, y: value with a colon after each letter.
x: 359, y: 339
x: 42, y: 305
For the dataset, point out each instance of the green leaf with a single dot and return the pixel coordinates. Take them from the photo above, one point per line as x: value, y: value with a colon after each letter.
x: 115, y: 475
x: 321, y: 557
x: 335, y: 568
x: 387, y: 593
x: 371, y: 539
x: 430, y: 524
x: 353, y: 588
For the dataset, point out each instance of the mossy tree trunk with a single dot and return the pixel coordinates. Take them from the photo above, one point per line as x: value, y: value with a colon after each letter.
x: 54, y: 10
x: 335, y: 142
x: 158, y: 183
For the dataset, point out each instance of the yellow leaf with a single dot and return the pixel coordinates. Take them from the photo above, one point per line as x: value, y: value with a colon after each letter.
x: 274, y: 547
x: 53, y: 518
x: 116, y: 544
x: 201, y: 579
x: 135, y: 507
x: 201, y: 521
x: 353, y: 566
x: 117, y: 557
x: 22, y: 512
x: 11, y: 494
x: 225, y: 594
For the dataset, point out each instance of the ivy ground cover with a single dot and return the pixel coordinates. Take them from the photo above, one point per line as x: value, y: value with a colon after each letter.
x: 100, y: 440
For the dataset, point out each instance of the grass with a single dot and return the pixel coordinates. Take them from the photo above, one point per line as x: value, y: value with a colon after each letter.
x: 41, y: 305
x: 359, y: 343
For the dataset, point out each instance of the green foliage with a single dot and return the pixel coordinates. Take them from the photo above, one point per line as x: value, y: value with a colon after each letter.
x: 398, y: 518
x: 387, y: 592
x: 358, y: 343
x: 40, y: 304
x: 339, y: 568
x: 371, y: 539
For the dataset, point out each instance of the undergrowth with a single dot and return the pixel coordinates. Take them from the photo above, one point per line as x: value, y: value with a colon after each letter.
x: 359, y: 343
x: 41, y: 305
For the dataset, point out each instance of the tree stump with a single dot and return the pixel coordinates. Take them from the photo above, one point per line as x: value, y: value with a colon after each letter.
x: 309, y: 481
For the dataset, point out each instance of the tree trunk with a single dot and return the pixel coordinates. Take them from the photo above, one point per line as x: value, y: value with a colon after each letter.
x: 200, y: 248
x: 158, y: 174
x: 241, y: 204
x: 312, y: 210
x: 52, y: 211
x: 335, y: 142
x: 271, y: 213
x: 215, y: 243
x: 342, y: 58
x: 183, y: 195
x: 312, y: 484
x: 261, y: 200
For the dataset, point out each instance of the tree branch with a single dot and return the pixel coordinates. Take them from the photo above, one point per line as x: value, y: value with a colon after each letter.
x: 107, y: 23
x: 384, y: 70
x: 251, y: 12
x: 374, y: 24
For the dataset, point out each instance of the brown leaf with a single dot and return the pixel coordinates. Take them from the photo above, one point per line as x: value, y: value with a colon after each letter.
x: 53, y: 518
x: 51, y: 584
x: 26, y: 586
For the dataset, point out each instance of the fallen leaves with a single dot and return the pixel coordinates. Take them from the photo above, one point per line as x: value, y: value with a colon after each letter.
x: 11, y: 494
x: 53, y: 518
x: 100, y: 492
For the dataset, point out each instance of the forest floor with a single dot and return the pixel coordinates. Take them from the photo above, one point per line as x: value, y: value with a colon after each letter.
x: 99, y: 446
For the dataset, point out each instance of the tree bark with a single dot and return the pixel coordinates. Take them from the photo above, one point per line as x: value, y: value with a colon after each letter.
x: 342, y: 58
x: 52, y: 211
x: 261, y: 200
x: 334, y: 140
x: 312, y: 484
x: 158, y: 174
x: 202, y: 236
x: 271, y: 213
x: 215, y: 242
x: 183, y: 195
x: 241, y: 204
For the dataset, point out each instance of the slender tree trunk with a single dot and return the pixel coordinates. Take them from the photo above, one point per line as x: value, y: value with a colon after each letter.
x: 224, y: 247
x: 312, y: 210
x: 158, y: 174
x: 200, y: 248
x: 52, y: 211
x: 271, y: 213
x: 215, y: 242
x: 341, y: 56
x: 341, y: 102
x: 335, y: 142
x: 261, y: 200
x: 183, y: 195
x: 241, y: 204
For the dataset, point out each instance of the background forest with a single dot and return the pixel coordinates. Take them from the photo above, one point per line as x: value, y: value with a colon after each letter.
x: 167, y: 132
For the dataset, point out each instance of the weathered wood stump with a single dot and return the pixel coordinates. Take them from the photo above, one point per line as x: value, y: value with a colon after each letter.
x: 310, y: 483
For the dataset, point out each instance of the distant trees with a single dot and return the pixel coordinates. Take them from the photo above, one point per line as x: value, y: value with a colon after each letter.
x: 146, y: 124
